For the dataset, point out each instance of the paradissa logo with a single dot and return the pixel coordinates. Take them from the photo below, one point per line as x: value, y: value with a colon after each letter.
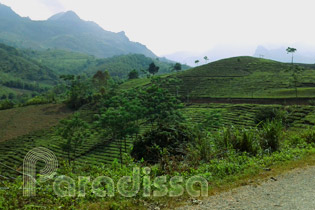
x: 102, y: 186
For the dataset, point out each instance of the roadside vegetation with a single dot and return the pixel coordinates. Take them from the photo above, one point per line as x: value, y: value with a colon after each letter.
x: 115, y: 130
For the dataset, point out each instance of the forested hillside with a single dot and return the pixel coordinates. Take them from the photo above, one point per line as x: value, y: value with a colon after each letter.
x: 65, y: 62
x: 18, y: 72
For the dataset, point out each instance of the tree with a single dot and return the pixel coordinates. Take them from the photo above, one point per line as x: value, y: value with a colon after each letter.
x: 292, y: 51
x: 120, y: 115
x: 177, y: 67
x: 101, y: 78
x: 153, y: 69
x: 196, y: 62
x: 161, y: 106
x: 206, y: 59
x: 170, y: 138
x: 134, y: 74
x: 79, y: 91
x: 73, y: 131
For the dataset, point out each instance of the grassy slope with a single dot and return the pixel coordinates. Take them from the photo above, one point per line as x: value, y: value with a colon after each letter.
x: 20, y: 121
x: 245, y: 77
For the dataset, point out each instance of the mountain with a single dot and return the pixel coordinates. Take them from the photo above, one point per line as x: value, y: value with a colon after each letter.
x: 66, y: 31
x: 304, y: 54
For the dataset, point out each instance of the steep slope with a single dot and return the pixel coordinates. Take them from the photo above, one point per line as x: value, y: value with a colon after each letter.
x: 65, y: 31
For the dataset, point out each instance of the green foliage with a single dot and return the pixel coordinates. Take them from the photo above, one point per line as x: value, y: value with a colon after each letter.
x: 153, y: 69
x: 18, y: 72
x: 74, y: 131
x: 309, y: 136
x: 170, y: 138
x: 6, y: 104
x: 80, y: 91
x: 212, y: 119
x: 177, y: 67
x: 14, y: 63
x: 100, y: 79
x: 161, y: 106
x: 134, y: 74
x: 61, y: 61
x: 292, y: 51
x: 120, y: 118
x: 203, y: 148
x: 242, y: 140
x: 271, y: 113
x: 38, y: 100
x: 272, y: 135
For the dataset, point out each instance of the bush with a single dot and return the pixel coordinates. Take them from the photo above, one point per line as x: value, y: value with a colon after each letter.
x: 37, y: 100
x: 311, y: 102
x: 269, y: 114
x: 242, y: 140
x: 203, y: 148
x: 6, y: 104
x: 295, y: 140
x: 309, y: 136
x: 171, y: 138
x: 271, y: 135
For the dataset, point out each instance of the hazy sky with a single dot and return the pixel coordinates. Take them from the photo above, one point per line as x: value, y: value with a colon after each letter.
x: 167, y: 26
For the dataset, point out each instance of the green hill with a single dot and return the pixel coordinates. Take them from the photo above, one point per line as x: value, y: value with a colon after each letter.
x: 20, y: 73
x: 65, y: 62
x: 247, y: 77
x: 61, y: 61
x: 65, y: 31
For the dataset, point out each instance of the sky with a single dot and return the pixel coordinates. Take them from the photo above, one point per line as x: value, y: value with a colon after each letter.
x: 169, y: 26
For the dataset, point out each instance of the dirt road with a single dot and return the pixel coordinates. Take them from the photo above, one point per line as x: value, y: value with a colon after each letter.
x: 292, y: 190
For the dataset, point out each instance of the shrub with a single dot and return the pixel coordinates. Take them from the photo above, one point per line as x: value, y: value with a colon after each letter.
x: 37, y: 100
x: 242, y: 140
x: 311, y: 102
x: 171, y: 138
x: 6, y: 104
x: 271, y: 135
x: 309, y: 136
x: 212, y: 119
x: 269, y: 114
x: 295, y: 140
x: 203, y: 148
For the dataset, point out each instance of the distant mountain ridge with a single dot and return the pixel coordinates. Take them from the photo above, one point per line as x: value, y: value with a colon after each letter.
x: 66, y: 31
